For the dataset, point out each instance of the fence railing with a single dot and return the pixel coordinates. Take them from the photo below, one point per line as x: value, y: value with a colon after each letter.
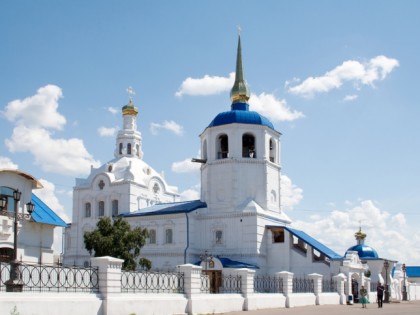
x: 303, y: 285
x: 152, y: 282
x: 329, y: 285
x: 268, y: 284
x: 51, y: 278
x: 220, y: 283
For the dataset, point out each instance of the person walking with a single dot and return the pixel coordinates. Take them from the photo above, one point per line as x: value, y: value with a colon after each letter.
x: 363, y: 294
x: 380, y: 294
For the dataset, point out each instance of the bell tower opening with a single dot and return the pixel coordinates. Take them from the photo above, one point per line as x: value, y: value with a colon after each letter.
x: 248, y: 146
x: 223, y: 147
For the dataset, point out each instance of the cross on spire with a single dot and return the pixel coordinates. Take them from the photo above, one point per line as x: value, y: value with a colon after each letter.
x: 131, y: 93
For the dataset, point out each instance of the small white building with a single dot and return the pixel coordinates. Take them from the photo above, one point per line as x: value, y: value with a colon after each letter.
x: 35, y: 231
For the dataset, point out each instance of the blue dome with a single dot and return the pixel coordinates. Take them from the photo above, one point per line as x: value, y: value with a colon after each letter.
x: 364, y: 251
x: 240, y: 114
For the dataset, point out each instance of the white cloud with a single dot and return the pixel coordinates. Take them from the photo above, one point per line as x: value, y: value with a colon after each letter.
x: 39, y: 110
x: 185, y: 166
x: 7, y: 163
x: 112, y: 110
x: 107, y: 132
x: 168, y: 125
x: 367, y: 73
x: 208, y: 85
x: 389, y: 235
x: 33, y: 118
x: 190, y: 194
x: 349, y: 98
x: 291, y: 194
x: 272, y: 108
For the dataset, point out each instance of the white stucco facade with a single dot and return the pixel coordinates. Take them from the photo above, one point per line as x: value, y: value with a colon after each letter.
x: 35, y: 239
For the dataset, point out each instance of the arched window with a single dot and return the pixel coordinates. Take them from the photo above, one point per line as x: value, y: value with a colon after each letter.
x: 120, y: 148
x: 101, y: 208
x: 168, y: 236
x: 129, y: 148
x: 248, y: 146
x: 152, y: 236
x: 223, y: 147
x: 88, y: 210
x: 273, y: 150
x: 114, y: 208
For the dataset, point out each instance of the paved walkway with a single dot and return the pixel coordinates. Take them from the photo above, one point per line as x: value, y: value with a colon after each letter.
x: 403, y: 308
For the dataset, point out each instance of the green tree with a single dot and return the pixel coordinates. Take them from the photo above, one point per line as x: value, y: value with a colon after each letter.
x: 116, y: 239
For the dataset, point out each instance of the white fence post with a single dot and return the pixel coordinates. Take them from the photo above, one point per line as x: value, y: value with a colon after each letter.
x: 340, y: 279
x: 287, y: 278
x: 317, y: 279
x: 109, y: 274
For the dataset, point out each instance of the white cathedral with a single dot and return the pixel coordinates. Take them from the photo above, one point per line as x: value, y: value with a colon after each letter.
x: 238, y: 221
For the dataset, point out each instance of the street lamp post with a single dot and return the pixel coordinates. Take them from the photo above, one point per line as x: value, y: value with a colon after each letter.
x: 15, y: 284
x: 404, y: 293
x: 386, y: 265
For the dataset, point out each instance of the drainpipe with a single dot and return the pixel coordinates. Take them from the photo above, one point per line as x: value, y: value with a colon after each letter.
x: 188, y: 238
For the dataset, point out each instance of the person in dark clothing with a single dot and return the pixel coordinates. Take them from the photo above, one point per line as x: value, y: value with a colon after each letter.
x: 380, y: 294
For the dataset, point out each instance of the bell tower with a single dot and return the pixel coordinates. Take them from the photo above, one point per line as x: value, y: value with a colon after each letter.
x: 240, y: 155
x: 128, y: 142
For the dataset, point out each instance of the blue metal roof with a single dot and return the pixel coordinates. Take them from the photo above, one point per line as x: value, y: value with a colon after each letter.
x: 229, y: 263
x: 43, y: 214
x: 168, y: 208
x: 314, y: 244
x: 412, y: 271
x: 364, y: 251
x: 240, y: 114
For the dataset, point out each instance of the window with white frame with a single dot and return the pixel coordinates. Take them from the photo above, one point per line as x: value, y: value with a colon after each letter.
x: 88, y: 210
x: 218, y: 237
x: 152, y: 236
x: 168, y: 236
x: 101, y: 208
x: 114, y: 207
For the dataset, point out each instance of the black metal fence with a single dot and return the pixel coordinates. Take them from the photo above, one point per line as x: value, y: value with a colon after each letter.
x: 220, y: 283
x: 51, y: 278
x: 152, y: 282
x: 303, y: 285
x: 329, y: 285
x: 268, y: 284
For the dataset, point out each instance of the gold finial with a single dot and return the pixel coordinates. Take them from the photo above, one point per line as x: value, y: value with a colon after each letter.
x: 130, y: 109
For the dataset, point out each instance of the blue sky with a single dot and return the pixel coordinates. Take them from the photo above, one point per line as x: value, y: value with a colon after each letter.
x: 337, y: 79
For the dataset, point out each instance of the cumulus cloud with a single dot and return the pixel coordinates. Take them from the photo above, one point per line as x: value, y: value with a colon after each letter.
x: 208, y: 85
x: 107, y: 132
x: 112, y: 110
x: 39, y: 110
x: 34, y: 117
x: 185, y: 166
x: 7, y: 163
x: 167, y: 125
x: 272, y: 108
x: 388, y: 234
x: 291, y: 194
x: 377, y: 68
x: 349, y: 98
x: 190, y: 194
